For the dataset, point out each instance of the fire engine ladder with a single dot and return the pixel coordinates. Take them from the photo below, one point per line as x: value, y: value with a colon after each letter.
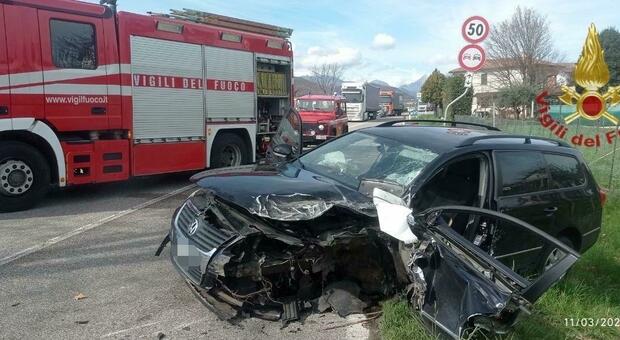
x: 226, y: 22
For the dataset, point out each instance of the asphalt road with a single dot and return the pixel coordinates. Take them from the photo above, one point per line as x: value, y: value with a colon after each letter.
x: 99, y: 241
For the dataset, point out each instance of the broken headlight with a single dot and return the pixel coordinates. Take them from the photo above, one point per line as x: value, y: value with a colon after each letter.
x: 200, y: 200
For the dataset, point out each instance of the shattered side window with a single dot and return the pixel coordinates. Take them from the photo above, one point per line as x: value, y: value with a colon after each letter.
x: 360, y: 156
x: 522, y: 251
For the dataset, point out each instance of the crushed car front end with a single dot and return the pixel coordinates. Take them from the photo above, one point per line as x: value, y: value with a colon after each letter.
x: 242, y: 263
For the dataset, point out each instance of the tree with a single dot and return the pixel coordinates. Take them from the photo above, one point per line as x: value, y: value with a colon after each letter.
x: 327, y: 77
x: 522, y: 47
x: 610, y: 40
x: 432, y: 90
x: 516, y: 97
x: 454, y: 87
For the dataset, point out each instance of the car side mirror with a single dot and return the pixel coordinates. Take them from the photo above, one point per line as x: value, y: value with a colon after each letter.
x: 283, y: 151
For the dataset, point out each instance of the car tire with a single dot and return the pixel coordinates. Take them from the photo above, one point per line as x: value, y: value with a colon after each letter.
x: 229, y: 150
x: 551, y: 255
x: 24, y: 176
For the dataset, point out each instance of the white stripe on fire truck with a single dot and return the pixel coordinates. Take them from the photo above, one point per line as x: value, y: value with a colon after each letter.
x: 36, y: 77
x: 25, y: 90
x: 72, y: 89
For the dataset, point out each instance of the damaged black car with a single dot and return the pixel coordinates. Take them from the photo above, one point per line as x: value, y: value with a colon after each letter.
x: 395, y: 208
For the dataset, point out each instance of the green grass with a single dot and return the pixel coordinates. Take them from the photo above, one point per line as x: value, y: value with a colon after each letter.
x: 591, y: 289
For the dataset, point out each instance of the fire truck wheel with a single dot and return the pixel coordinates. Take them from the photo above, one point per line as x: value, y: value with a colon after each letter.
x: 229, y: 150
x: 24, y: 176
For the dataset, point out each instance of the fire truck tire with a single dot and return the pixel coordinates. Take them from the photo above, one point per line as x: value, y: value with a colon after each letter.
x: 229, y: 149
x: 24, y: 176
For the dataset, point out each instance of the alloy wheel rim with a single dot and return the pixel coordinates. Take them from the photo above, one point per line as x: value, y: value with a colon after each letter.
x: 16, y: 177
x: 232, y: 155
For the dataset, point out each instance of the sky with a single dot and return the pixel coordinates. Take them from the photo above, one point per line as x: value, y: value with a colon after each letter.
x: 396, y: 41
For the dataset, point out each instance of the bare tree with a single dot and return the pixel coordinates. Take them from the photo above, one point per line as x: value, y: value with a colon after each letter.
x: 522, y: 48
x: 327, y: 77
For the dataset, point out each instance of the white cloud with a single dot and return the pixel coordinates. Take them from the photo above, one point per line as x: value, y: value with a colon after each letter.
x: 317, y: 55
x: 383, y: 41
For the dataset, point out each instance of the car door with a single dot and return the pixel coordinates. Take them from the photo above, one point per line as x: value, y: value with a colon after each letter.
x: 575, y: 198
x: 75, y: 77
x: 521, y: 191
x: 5, y: 99
x: 459, y: 285
x: 287, y: 142
x: 341, y: 118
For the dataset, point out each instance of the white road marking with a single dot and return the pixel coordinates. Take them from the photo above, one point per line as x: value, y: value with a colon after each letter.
x: 129, y: 329
x: 90, y: 226
x: 151, y: 324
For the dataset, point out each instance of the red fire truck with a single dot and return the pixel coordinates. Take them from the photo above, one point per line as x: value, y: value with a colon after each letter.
x: 88, y: 95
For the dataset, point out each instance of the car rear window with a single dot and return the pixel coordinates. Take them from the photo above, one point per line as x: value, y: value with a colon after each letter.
x: 566, y: 171
x: 520, y: 172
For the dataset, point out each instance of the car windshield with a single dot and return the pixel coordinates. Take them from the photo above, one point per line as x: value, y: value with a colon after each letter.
x: 360, y: 156
x: 385, y: 100
x: 315, y: 105
x: 353, y: 97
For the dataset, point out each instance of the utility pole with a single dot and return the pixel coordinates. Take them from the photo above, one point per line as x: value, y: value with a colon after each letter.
x: 467, y: 86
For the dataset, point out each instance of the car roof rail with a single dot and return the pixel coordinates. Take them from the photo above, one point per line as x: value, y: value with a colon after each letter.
x: 526, y: 139
x: 452, y: 123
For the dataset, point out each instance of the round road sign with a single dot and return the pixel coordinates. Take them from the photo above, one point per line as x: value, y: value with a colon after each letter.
x: 475, y: 29
x: 472, y: 57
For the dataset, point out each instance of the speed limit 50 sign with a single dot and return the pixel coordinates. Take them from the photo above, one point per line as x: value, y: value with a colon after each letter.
x: 475, y: 29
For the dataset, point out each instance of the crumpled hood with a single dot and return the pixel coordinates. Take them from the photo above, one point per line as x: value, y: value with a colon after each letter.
x: 283, y: 193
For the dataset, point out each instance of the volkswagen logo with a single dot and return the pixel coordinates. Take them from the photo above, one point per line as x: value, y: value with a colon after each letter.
x: 192, y: 228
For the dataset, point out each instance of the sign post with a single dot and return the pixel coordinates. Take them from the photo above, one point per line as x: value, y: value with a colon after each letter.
x: 471, y: 57
x: 475, y: 29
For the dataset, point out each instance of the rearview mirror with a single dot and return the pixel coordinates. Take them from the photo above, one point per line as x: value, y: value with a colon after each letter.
x: 283, y: 151
x: 289, y: 136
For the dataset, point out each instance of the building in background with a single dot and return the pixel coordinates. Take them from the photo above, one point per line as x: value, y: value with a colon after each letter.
x: 498, y: 74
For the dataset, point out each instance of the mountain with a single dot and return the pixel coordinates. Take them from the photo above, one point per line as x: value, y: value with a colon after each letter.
x: 413, y: 88
x: 387, y: 87
x: 380, y: 83
x: 306, y: 85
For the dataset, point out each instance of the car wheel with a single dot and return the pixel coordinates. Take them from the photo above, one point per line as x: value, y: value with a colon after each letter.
x: 24, y: 176
x: 551, y: 256
x: 229, y: 150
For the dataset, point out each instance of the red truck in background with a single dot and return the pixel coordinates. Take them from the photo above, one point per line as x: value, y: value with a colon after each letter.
x: 391, y: 103
x: 89, y: 95
x: 323, y: 117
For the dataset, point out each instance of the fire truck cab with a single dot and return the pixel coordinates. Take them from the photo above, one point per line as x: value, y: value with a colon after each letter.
x: 323, y: 117
x: 88, y: 95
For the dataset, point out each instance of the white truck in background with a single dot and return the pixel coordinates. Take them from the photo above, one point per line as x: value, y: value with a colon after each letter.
x: 362, y: 100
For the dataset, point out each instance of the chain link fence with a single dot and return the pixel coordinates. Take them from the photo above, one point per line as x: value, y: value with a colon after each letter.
x: 602, y: 158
